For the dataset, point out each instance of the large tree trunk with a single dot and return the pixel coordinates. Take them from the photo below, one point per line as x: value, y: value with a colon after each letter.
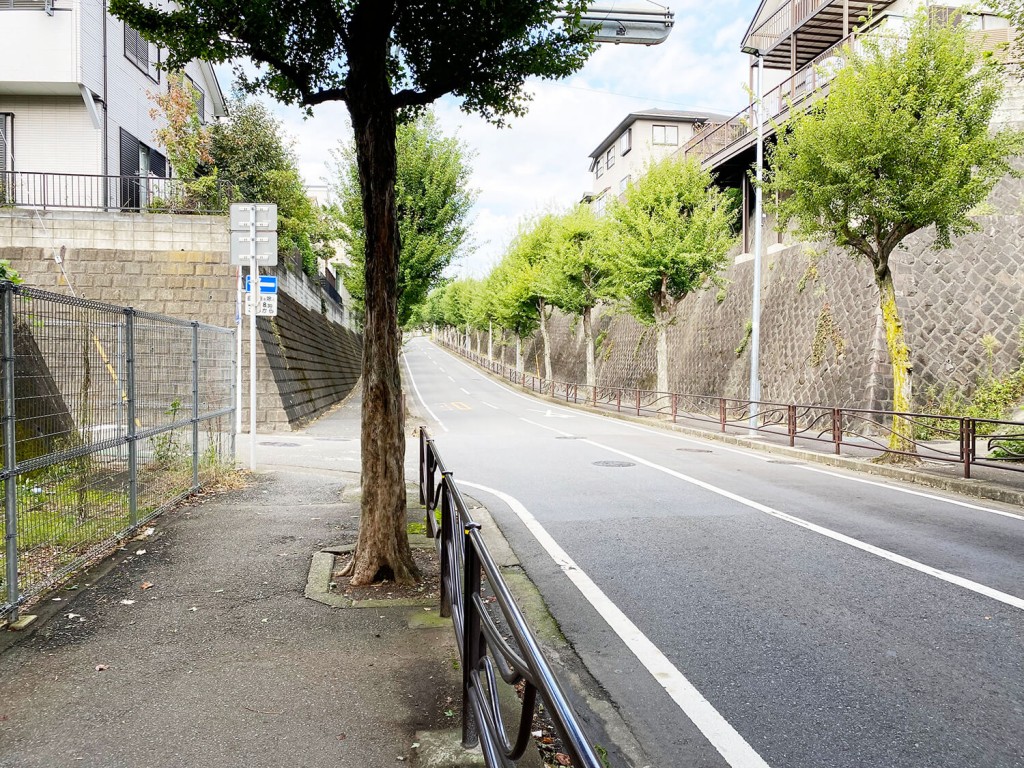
x: 519, y: 353
x: 661, y: 322
x: 545, y: 335
x: 382, y: 548
x: 902, y: 436
x: 588, y: 342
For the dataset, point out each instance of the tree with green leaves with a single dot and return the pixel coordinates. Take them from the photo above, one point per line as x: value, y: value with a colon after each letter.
x: 901, y: 142
x: 511, y: 284
x: 379, y: 57
x: 531, y: 249
x: 432, y: 197
x: 576, y: 276
x: 671, y: 235
x: 251, y: 151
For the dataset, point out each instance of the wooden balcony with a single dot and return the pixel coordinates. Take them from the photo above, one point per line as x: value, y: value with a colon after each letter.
x: 802, y: 30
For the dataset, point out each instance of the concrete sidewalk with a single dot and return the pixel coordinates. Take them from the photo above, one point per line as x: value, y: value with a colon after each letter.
x: 223, y: 661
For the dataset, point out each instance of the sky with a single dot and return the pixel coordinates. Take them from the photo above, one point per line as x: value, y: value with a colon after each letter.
x: 541, y: 161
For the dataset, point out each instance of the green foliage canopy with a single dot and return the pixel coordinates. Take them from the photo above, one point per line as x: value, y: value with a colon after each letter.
x: 575, y: 275
x: 251, y: 151
x: 671, y: 234
x: 433, y: 200
x: 901, y: 142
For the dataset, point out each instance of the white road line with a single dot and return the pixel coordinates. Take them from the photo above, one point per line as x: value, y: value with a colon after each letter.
x: 959, y: 581
x: 922, y: 494
x: 412, y: 381
x: 465, y: 390
x: 545, y: 426
x: 626, y: 424
x: 451, y: 378
x: 723, y: 737
x: 489, y: 405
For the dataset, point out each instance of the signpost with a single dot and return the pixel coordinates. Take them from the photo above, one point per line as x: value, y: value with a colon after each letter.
x: 253, y: 241
x: 265, y: 299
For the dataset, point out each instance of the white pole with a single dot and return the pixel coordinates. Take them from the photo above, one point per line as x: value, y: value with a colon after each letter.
x: 755, y: 323
x: 254, y: 287
x: 238, y: 350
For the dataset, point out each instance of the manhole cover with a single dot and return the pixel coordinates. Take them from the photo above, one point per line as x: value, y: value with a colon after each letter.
x: 614, y: 464
x: 568, y: 437
x: 694, y: 450
x: 279, y: 444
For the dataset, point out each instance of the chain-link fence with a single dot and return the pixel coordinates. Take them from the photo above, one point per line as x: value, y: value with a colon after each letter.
x: 109, y: 416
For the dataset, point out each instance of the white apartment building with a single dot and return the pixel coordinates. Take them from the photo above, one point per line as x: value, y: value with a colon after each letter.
x: 75, y: 85
x: 641, y: 138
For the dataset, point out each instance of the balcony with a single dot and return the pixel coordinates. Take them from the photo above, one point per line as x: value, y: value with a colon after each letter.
x: 800, y: 31
x: 717, y: 143
x: 39, y: 55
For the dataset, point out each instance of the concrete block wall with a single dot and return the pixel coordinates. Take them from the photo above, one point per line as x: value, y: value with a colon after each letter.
x: 179, y: 266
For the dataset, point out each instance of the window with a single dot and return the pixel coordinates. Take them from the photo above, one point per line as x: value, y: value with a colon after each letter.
x: 599, y: 204
x: 666, y: 134
x: 624, y: 183
x: 140, y: 53
x: 199, y: 96
x: 609, y: 157
x: 626, y: 141
x: 598, y: 170
x: 6, y: 142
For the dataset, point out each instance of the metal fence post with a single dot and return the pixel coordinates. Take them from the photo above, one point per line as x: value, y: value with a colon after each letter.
x: 423, y: 473
x: 721, y: 414
x: 472, y: 642
x: 968, y: 429
x: 133, y: 443
x: 791, y: 424
x: 195, y: 406
x: 449, y: 592
x: 10, y: 458
x: 837, y: 429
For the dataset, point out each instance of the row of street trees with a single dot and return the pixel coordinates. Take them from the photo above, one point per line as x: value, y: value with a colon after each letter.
x: 902, y: 142
x: 665, y: 239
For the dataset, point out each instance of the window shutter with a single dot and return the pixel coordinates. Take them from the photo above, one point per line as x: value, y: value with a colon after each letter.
x: 157, y: 164
x: 129, y: 171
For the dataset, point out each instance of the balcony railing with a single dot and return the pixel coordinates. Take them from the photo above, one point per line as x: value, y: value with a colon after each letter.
x: 807, y: 84
x: 802, y: 89
x: 27, y: 5
x: 147, y: 194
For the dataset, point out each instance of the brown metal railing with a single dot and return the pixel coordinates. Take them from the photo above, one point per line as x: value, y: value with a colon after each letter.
x: 968, y: 442
x: 146, y: 194
x: 488, y: 651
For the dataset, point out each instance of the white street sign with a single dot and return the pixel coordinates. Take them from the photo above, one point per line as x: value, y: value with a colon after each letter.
x: 266, y: 305
x: 266, y: 248
x: 241, y: 213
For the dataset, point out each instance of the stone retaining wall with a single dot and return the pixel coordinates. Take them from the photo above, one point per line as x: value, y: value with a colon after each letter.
x: 821, y: 339
x: 179, y: 266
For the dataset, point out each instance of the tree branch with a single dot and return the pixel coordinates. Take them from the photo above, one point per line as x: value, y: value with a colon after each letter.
x: 327, y: 94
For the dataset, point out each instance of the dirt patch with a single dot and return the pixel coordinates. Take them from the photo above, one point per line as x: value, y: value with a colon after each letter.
x: 428, y: 588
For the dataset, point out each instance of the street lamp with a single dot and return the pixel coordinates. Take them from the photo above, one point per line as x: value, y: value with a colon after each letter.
x: 755, y: 323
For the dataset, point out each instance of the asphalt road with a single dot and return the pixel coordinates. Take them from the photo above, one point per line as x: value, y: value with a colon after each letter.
x: 742, y: 610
